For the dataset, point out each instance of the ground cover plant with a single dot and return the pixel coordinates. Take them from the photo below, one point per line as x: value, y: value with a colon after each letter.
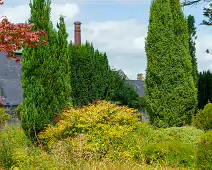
x: 3, y: 116
x: 101, y: 136
x: 203, y: 119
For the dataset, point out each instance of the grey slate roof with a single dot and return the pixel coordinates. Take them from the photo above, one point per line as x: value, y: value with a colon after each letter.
x: 139, y: 86
x: 11, y: 86
x: 122, y: 74
x: 10, y: 81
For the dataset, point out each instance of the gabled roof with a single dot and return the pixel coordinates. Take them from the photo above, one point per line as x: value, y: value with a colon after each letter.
x: 122, y: 74
x: 139, y: 86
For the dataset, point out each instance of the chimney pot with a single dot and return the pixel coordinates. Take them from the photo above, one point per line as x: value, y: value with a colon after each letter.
x: 77, y: 33
x: 140, y: 76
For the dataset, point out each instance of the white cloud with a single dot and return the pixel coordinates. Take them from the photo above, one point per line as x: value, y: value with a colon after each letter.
x: 123, y: 41
x: 17, y: 14
x: 203, y: 43
x: 21, y: 13
x: 69, y: 10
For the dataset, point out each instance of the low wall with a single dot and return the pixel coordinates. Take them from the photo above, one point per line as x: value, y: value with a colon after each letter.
x: 14, y: 120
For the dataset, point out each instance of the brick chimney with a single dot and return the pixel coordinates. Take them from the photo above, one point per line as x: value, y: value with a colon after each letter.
x: 77, y: 33
x: 140, y: 76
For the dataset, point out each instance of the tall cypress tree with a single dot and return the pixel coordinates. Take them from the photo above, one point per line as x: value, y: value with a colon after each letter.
x: 89, y: 70
x: 192, y: 48
x: 45, y: 76
x: 170, y: 92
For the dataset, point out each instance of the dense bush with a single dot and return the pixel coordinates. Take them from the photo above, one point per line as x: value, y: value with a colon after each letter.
x: 45, y: 73
x: 203, y: 119
x: 89, y: 73
x: 186, y: 135
x: 16, y: 150
x: 170, y: 153
x: 123, y: 92
x: 92, y: 79
x: 120, y: 148
x: 94, y: 131
x: 3, y: 116
x: 171, y: 95
x: 204, y: 151
x: 175, y: 146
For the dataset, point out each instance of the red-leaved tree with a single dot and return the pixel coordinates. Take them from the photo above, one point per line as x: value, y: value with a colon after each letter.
x: 13, y: 36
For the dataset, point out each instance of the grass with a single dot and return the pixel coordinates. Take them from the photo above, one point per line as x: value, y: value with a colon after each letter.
x: 109, y: 138
x: 16, y: 150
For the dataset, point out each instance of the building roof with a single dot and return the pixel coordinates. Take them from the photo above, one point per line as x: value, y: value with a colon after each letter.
x: 139, y: 86
x: 10, y: 81
x: 122, y: 74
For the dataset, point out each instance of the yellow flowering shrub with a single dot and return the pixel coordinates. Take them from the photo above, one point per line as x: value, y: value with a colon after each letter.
x: 92, y: 131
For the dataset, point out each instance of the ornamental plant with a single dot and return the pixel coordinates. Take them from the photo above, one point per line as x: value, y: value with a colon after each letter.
x: 13, y: 36
x: 171, y: 96
x: 203, y: 119
x: 45, y: 73
x: 93, y: 131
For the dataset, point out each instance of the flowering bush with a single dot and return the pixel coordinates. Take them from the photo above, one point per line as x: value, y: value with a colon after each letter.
x: 92, y: 130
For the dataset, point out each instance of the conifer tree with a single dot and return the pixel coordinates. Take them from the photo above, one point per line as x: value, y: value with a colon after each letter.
x: 92, y: 79
x: 171, y: 97
x: 192, y: 49
x: 204, y: 88
x: 89, y: 70
x: 45, y: 73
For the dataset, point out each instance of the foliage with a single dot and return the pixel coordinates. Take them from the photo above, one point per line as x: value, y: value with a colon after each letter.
x: 186, y: 134
x: 121, y: 91
x: 92, y: 79
x: 192, y: 49
x: 207, y: 12
x: 89, y: 70
x: 204, y: 151
x: 175, y: 146
x: 130, y: 151
x: 45, y: 73
x: 3, y: 116
x: 203, y: 120
x: 16, y: 150
x: 171, y: 153
x: 171, y: 96
x: 13, y: 36
x: 93, y: 131
x: 204, y: 88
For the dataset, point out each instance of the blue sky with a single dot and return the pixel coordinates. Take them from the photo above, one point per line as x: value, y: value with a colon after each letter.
x: 117, y: 27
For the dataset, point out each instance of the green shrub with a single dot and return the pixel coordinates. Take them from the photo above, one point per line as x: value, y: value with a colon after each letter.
x: 95, y: 131
x: 172, y: 153
x: 16, y: 150
x: 3, y: 116
x: 203, y: 120
x: 204, y: 151
x: 186, y: 134
x: 171, y: 96
x: 45, y: 73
